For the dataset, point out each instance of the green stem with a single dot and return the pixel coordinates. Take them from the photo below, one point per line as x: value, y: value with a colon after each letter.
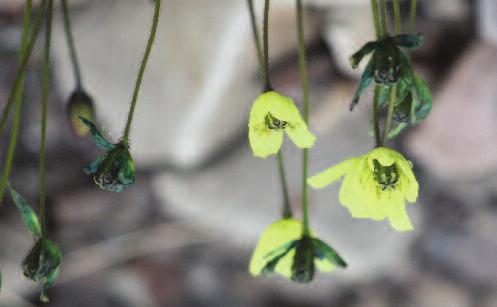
x: 388, y: 121
x: 376, y: 19
x: 384, y: 17
x: 71, y: 45
x: 376, y: 111
x: 139, y: 79
x: 412, y: 16
x: 22, y: 67
x: 44, y: 111
x: 286, y: 210
x: 305, y: 99
x: 265, y: 38
x: 17, y: 101
x: 255, y: 32
x: 397, y: 17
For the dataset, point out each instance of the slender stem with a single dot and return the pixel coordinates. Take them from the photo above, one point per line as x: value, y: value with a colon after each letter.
x: 305, y: 99
x: 376, y: 119
x: 397, y: 17
x: 44, y: 111
x: 376, y: 19
x: 22, y: 66
x: 265, y: 38
x: 384, y: 16
x: 71, y: 45
x: 139, y: 79
x: 412, y: 16
x: 388, y: 122
x: 286, y: 210
x: 17, y: 101
x: 257, y: 41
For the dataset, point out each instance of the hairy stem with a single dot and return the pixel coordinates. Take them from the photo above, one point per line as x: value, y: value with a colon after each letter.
x: 141, y: 72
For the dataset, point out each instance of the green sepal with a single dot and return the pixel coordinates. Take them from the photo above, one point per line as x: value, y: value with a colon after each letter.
x: 424, y: 99
x: 357, y: 57
x: 303, y: 266
x: 29, y: 217
x: 50, y: 281
x: 409, y: 41
x: 325, y: 252
x: 95, y: 165
x: 97, y: 137
x: 275, y: 256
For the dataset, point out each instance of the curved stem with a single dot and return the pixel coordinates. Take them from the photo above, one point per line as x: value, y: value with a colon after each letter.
x: 397, y: 17
x: 286, y: 210
x: 384, y: 17
x: 412, y: 16
x: 71, y: 45
x: 44, y: 111
x: 17, y: 101
x: 376, y: 120
x: 265, y: 38
x: 143, y: 65
x: 305, y: 99
x: 376, y: 19
x: 22, y: 66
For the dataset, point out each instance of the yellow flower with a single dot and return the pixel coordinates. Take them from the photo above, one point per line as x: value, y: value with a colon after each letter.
x: 376, y: 186
x: 271, y: 115
x: 283, y: 249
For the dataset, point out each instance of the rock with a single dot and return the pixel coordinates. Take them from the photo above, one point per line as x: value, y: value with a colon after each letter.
x: 200, y: 82
x: 459, y: 138
x: 239, y: 197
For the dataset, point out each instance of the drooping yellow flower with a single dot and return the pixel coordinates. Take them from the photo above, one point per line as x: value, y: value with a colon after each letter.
x: 375, y: 186
x: 271, y: 115
x: 283, y: 249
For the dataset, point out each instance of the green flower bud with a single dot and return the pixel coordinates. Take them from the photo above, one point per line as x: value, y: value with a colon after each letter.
x: 80, y: 104
x: 303, y: 261
x: 42, y: 264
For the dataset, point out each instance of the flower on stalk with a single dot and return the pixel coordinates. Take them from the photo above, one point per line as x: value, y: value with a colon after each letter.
x: 283, y: 249
x: 376, y: 186
x: 42, y: 264
x: 388, y: 63
x: 271, y: 115
x: 80, y: 104
x: 115, y: 169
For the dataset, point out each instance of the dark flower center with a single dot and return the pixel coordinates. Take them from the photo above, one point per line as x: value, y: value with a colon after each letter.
x: 274, y: 123
x: 385, y: 176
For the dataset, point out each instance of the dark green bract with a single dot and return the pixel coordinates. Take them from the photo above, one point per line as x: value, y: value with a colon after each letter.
x: 115, y: 169
x: 307, y: 250
x: 42, y: 264
x: 387, y: 65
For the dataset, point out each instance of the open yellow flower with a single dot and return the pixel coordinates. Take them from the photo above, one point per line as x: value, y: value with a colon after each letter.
x: 271, y: 115
x: 376, y: 186
x: 283, y: 249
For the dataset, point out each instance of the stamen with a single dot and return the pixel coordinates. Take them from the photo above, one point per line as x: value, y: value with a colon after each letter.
x: 274, y: 123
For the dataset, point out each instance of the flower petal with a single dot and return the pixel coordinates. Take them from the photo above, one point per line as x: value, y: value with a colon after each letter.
x: 397, y: 214
x: 275, y: 236
x: 263, y: 141
x: 333, y: 173
x: 300, y: 135
x: 353, y: 193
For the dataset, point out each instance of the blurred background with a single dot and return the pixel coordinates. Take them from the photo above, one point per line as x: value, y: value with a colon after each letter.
x: 183, y: 234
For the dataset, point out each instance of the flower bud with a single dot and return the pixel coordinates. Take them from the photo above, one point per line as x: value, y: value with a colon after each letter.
x: 80, y: 104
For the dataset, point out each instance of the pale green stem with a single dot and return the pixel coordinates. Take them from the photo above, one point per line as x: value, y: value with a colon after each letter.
x: 376, y: 19
x: 412, y: 16
x: 17, y: 101
x: 265, y: 39
x: 384, y: 17
x: 397, y: 17
x: 376, y: 120
x: 22, y: 67
x: 71, y: 45
x: 305, y: 99
x: 141, y: 72
x: 257, y: 41
x: 44, y: 112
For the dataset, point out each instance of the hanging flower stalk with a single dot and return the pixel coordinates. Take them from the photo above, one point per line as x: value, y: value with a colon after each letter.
x: 377, y: 184
x: 114, y: 170
x: 80, y: 102
x: 288, y: 246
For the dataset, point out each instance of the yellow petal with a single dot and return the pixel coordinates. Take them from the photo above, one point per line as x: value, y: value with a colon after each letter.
x: 276, y: 235
x: 397, y: 214
x: 300, y: 135
x: 385, y: 156
x: 263, y: 141
x: 324, y: 265
x: 409, y: 184
x: 333, y: 173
